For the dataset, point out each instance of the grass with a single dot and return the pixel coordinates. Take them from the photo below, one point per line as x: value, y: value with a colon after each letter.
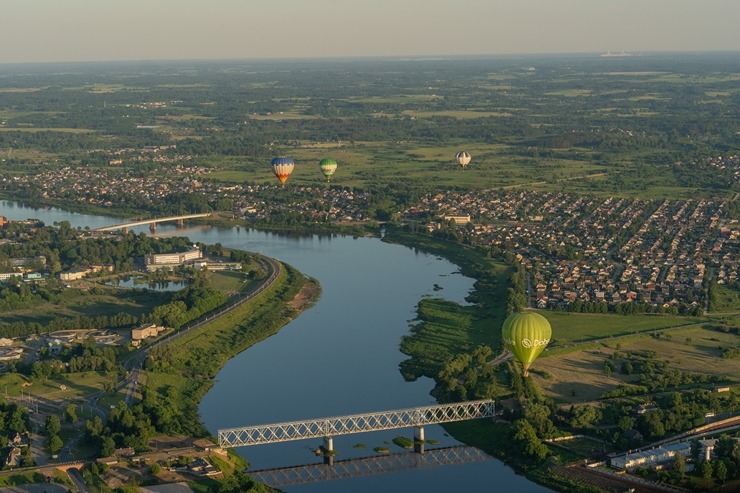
x: 229, y: 281
x: 572, y: 328
x: 83, y: 303
x: 728, y: 299
x: 22, y: 478
x: 579, y: 375
x: 76, y: 386
x: 48, y: 129
x: 458, y: 115
x: 418, y: 162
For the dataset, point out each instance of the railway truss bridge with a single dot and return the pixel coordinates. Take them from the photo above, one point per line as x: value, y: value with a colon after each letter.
x: 327, y: 428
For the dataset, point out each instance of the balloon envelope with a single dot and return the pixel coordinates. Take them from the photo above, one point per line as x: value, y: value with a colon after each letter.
x: 463, y: 158
x: 282, y: 167
x: 526, y: 335
x: 328, y: 167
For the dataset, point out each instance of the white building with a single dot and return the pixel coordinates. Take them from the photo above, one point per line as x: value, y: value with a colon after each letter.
x: 652, y: 457
x: 169, y: 260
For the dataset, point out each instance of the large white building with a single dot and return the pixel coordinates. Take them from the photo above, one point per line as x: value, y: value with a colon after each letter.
x: 169, y: 260
x: 652, y: 457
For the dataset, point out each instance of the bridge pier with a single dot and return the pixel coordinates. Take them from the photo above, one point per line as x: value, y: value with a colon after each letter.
x: 419, y: 440
x: 124, y: 230
x: 181, y: 223
x: 153, y: 227
x: 328, y: 451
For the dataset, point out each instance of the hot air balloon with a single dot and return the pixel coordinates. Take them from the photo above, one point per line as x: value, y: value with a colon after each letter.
x: 282, y: 167
x: 526, y: 335
x: 328, y: 167
x: 463, y: 158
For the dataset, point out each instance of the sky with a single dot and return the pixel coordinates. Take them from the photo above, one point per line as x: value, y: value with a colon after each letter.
x: 103, y: 30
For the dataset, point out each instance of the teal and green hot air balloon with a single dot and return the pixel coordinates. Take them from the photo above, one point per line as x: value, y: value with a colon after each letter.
x: 328, y: 166
x: 526, y: 335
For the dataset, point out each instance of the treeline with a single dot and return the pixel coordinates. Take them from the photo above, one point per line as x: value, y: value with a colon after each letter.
x: 13, y: 418
x: 87, y: 356
x: 125, y: 427
x: 64, y: 247
x: 632, y: 308
x: 115, y: 321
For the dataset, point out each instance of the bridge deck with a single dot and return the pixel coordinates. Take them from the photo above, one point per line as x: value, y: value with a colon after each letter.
x: 151, y: 221
x: 357, y: 423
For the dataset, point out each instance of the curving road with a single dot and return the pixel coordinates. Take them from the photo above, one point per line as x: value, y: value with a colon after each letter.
x: 135, y: 362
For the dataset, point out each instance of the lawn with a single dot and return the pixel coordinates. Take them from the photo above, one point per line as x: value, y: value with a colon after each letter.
x: 65, y: 387
x: 229, y: 281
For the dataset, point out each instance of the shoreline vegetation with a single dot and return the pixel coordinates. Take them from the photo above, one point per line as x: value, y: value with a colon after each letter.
x: 446, y: 331
x: 190, y: 373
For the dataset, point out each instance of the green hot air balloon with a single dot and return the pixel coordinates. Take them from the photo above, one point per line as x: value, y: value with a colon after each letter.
x: 526, y: 335
x: 328, y: 166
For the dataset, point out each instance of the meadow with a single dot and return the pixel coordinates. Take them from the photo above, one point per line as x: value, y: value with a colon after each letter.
x: 577, y: 376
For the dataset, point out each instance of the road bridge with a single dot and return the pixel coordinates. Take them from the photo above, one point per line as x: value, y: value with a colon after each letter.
x: 327, y: 428
x: 152, y: 222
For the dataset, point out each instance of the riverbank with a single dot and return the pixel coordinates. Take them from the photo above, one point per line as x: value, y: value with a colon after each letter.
x: 446, y: 331
x: 186, y: 367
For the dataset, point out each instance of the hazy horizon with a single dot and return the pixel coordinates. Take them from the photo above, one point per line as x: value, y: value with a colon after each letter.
x: 40, y: 31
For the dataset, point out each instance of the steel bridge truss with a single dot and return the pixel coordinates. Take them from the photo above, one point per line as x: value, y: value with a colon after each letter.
x: 357, y: 423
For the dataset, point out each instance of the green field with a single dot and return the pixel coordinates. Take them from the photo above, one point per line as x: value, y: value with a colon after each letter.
x: 229, y: 281
x: 579, y: 375
x: 76, y: 385
x: 572, y: 328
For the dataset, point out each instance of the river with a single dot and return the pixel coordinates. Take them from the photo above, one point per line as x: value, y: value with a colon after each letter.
x: 339, y: 357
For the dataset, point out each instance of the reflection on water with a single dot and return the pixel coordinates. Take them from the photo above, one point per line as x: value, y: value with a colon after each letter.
x: 368, y: 466
x: 144, y: 283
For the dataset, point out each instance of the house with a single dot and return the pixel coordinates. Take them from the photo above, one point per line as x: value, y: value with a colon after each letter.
x: 14, y: 457
x: 150, y: 330
x: 647, y: 407
x: 460, y: 220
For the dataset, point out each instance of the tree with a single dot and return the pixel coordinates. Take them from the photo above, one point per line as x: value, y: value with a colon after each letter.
x: 53, y: 425
x: 55, y: 444
x: 626, y: 423
x: 608, y: 368
x: 720, y: 470
x: 679, y: 465
x: 70, y: 413
x: 108, y: 447
x: 706, y: 469
x: 526, y: 437
x: 695, y: 450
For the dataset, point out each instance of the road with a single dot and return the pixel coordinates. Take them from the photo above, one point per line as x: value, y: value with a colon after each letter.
x: 76, y: 477
x: 135, y: 362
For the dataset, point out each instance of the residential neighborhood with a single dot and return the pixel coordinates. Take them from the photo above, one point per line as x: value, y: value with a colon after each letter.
x: 577, y: 249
